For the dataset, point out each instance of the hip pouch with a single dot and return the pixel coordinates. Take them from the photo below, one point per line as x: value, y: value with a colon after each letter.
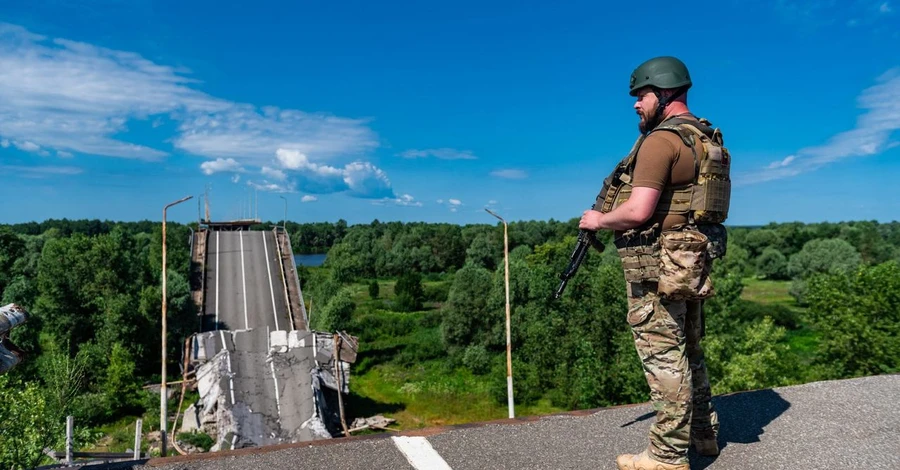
x: 684, y: 265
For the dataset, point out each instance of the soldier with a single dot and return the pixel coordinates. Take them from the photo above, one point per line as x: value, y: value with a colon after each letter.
x: 665, y: 202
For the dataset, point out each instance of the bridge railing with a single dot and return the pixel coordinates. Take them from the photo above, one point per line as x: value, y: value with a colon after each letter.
x: 294, y: 294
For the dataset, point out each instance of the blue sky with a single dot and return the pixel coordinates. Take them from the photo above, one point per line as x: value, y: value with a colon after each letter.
x: 425, y: 111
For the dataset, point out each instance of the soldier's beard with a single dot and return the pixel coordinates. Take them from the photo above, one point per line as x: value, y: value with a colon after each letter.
x: 647, y: 124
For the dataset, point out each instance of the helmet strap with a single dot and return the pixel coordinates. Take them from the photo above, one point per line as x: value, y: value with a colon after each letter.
x: 663, y: 101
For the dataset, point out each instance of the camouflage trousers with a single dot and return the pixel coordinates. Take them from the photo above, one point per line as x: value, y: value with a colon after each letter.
x: 667, y: 337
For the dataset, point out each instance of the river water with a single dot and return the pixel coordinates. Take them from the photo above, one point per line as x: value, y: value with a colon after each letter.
x: 310, y: 260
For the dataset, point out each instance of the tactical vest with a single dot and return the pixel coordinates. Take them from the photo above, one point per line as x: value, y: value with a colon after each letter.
x: 705, y: 201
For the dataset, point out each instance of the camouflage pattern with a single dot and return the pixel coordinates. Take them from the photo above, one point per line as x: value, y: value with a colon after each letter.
x: 684, y: 265
x: 667, y: 337
x: 718, y: 239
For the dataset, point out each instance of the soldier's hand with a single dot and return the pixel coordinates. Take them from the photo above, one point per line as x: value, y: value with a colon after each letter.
x: 590, y: 220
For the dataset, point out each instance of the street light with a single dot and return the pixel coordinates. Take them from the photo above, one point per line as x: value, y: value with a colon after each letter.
x: 509, y: 380
x: 163, y: 422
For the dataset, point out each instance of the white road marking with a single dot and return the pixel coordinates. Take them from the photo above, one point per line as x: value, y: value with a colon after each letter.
x: 277, y: 398
x: 269, y: 275
x: 420, y: 454
x: 218, y: 268
x: 230, y: 374
x: 244, y: 279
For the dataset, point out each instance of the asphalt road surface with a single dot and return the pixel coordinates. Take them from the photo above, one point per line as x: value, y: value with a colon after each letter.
x: 268, y: 394
x: 244, y: 288
x: 846, y: 424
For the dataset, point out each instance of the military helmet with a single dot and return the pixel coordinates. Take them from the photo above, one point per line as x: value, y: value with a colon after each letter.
x: 660, y: 72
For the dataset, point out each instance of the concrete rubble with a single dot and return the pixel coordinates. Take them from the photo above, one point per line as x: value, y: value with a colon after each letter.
x: 11, y: 316
x: 251, y: 386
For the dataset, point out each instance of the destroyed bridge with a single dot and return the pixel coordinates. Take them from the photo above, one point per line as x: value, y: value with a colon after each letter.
x: 263, y: 376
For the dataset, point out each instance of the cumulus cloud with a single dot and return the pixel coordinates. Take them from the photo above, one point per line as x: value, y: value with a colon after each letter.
x: 356, y: 179
x: 870, y: 136
x: 77, y: 97
x: 273, y: 173
x: 64, y: 154
x: 219, y: 165
x: 441, y: 153
x: 510, y: 174
x: 308, y: 198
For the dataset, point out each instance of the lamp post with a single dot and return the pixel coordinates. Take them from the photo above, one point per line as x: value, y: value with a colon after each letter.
x: 509, y: 380
x: 163, y: 422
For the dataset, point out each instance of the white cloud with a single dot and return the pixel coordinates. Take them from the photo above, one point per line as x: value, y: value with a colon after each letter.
x: 510, y: 174
x: 308, y: 198
x: 236, y: 179
x: 77, y: 97
x: 441, y: 153
x: 404, y: 200
x: 27, y: 146
x: 870, y: 136
x: 219, y: 165
x: 884, y: 8
x: 782, y: 163
x: 454, y: 202
x: 36, y: 172
x: 64, y: 154
x: 288, y: 187
x: 365, y: 180
x: 273, y: 173
x: 4, y: 143
x: 440, y: 201
x: 295, y: 160
x: 358, y: 179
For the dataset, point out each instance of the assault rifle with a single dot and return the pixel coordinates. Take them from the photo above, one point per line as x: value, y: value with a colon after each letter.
x: 586, y: 239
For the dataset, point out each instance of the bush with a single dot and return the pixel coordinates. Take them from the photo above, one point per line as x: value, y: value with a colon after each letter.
x: 373, y: 289
x: 477, y: 359
x: 197, y: 439
x: 772, y: 264
x: 409, y: 292
x: 438, y: 292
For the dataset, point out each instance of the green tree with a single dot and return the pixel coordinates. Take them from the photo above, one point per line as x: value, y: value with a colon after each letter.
x: 824, y: 256
x: 336, y: 315
x: 857, y: 316
x: 465, y: 319
x: 373, y: 289
x: 28, y: 424
x: 409, y: 292
x: 772, y: 264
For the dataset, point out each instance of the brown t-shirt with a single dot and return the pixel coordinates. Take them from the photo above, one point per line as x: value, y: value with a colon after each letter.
x: 664, y: 160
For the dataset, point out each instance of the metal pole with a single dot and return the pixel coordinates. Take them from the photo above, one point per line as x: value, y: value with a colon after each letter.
x: 509, y: 380
x: 137, y: 438
x: 163, y: 422
x: 70, y: 430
